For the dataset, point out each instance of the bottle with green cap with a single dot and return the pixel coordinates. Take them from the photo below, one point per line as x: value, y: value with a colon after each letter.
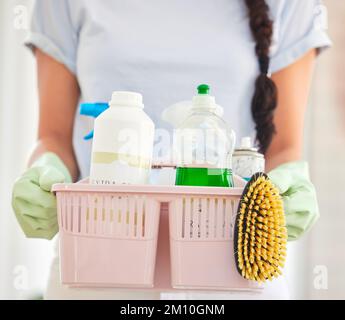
x: 203, y: 145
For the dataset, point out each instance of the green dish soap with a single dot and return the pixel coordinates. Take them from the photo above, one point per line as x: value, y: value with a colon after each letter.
x: 204, y: 144
x: 204, y: 177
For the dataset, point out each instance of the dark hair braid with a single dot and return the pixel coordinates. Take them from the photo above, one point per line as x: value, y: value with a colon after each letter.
x: 265, y: 96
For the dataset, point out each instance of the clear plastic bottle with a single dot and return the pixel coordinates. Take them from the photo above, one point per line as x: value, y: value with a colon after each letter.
x: 203, y: 145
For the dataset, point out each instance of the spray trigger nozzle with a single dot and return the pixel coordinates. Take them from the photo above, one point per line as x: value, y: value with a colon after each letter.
x: 92, y: 110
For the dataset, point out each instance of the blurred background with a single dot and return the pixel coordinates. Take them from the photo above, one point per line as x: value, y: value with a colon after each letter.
x: 315, y: 264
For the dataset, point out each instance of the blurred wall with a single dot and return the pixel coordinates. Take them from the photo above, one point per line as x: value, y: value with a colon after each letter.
x: 325, y: 148
x: 23, y: 263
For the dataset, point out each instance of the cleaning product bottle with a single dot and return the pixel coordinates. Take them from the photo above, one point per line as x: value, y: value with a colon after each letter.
x: 123, y: 142
x: 246, y: 160
x: 203, y: 145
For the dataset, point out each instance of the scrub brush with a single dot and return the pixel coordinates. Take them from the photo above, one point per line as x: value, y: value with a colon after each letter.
x: 260, y: 233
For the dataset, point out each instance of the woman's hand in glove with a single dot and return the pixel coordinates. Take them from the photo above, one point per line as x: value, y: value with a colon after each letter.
x: 33, y: 203
x: 299, y: 196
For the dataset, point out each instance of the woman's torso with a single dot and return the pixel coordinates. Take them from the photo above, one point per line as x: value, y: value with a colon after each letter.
x: 164, y: 49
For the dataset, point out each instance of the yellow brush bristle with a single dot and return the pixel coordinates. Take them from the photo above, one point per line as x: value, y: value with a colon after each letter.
x: 260, y: 231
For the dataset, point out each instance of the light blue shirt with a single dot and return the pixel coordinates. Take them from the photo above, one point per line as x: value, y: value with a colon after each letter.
x: 164, y: 49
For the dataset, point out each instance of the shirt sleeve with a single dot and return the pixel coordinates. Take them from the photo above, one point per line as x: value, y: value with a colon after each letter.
x: 52, y: 32
x: 298, y: 27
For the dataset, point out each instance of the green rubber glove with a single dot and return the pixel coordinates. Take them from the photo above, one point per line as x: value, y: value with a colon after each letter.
x: 299, y: 196
x: 33, y: 203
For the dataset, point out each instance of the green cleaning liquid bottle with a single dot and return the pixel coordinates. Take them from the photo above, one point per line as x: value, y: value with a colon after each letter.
x: 203, y: 145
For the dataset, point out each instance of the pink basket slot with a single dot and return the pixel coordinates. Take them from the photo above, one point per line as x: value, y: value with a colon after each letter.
x: 201, y: 243
x: 107, y: 239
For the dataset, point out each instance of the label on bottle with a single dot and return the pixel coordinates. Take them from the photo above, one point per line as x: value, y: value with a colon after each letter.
x: 109, y: 168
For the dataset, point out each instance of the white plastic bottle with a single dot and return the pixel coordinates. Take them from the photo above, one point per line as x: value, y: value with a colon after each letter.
x: 123, y: 142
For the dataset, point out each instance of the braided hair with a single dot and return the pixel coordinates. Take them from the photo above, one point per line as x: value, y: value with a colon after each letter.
x: 265, y: 96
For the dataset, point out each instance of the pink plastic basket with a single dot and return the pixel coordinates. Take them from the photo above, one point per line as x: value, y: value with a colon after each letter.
x: 109, y: 237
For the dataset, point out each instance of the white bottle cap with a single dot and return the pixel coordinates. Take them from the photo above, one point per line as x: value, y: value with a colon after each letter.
x: 204, y: 101
x: 246, y: 143
x: 126, y: 99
